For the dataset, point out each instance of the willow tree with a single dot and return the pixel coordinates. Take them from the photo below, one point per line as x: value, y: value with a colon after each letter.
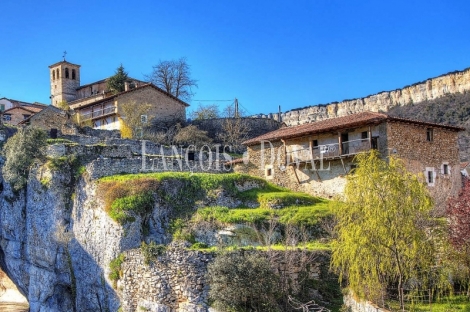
x: 381, y: 235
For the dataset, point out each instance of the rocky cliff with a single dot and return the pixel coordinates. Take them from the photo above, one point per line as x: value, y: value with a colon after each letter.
x: 458, y: 81
x: 57, y: 241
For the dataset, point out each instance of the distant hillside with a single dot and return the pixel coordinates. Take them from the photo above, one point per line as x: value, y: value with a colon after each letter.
x: 451, y: 109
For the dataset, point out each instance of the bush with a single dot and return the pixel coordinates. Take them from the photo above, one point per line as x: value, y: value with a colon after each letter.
x: 122, y: 200
x: 151, y: 251
x: 122, y: 209
x: 242, y: 281
x: 115, y: 268
x: 199, y: 245
x: 20, y: 151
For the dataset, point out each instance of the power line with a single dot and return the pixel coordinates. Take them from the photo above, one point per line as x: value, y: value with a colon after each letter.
x: 212, y: 100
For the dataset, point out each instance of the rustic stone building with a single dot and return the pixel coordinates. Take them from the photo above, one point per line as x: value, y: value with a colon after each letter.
x: 51, y: 118
x: 97, y: 106
x: 316, y: 157
x: 15, y: 111
x: 15, y: 115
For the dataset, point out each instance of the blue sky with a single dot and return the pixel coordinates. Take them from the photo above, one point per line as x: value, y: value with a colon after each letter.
x: 265, y: 53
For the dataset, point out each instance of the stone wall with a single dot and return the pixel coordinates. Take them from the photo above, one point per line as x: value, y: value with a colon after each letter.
x: 175, y: 281
x: 409, y: 143
x: 257, y: 126
x: 356, y: 305
x: 102, y: 134
x: 105, y: 160
x: 427, y: 90
x: 50, y: 118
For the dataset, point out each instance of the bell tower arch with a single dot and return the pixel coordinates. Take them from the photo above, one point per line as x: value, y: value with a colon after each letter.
x: 65, y: 79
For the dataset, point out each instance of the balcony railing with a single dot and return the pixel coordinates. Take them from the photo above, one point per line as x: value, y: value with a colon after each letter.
x: 98, y: 113
x: 329, y: 151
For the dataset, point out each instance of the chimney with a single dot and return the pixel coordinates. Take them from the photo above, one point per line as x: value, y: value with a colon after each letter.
x: 126, y: 86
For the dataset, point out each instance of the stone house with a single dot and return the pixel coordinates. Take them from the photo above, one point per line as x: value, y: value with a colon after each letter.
x: 316, y: 157
x: 97, y: 106
x: 14, y: 111
x: 15, y: 115
x: 51, y: 119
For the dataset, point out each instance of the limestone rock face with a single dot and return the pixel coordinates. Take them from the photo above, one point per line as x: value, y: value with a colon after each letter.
x: 56, y: 244
x: 55, y: 252
x: 383, y: 101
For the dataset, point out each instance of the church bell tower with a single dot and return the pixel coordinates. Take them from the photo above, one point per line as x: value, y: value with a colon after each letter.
x: 65, y: 79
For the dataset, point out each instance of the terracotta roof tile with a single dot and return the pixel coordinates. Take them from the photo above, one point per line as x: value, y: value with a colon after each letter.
x: 76, y: 104
x: 30, y: 109
x: 338, y: 123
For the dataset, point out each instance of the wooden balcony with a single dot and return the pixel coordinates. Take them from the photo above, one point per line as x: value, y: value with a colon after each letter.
x: 98, y: 113
x: 331, y: 151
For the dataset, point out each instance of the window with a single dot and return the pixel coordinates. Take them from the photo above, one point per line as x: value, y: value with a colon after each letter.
x: 53, y: 74
x: 430, y: 177
x: 364, y: 135
x: 143, y: 118
x: 315, y: 143
x: 26, y: 116
x: 7, y: 117
x: 268, y: 171
x: 429, y: 135
x: 445, y: 169
x: 2, y: 107
x: 57, y: 71
x: 73, y: 74
x: 66, y: 72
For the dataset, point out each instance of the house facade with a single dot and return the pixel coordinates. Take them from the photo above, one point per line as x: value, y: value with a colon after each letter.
x: 96, y: 106
x: 316, y: 157
x: 14, y: 111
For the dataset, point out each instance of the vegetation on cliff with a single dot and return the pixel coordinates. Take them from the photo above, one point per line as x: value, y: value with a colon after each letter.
x: 278, y: 229
x: 260, y: 206
x: 20, y: 151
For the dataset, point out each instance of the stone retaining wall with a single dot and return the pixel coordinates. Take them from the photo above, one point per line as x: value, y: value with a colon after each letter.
x: 357, y: 305
x: 176, y: 281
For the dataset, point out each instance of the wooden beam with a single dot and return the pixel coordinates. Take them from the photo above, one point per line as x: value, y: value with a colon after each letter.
x: 340, y: 145
x: 297, y: 177
x: 344, y: 167
x: 285, y: 152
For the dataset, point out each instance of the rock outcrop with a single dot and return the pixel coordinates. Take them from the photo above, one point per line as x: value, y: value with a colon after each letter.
x: 432, y: 88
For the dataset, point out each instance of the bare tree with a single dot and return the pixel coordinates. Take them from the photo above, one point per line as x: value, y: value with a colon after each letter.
x: 235, y: 128
x: 205, y: 112
x: 174, y: 77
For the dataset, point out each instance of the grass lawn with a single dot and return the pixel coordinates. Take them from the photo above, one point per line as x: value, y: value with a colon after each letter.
x: 445, y: 304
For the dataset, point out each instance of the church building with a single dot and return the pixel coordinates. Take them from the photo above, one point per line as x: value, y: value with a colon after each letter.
x: 99, y: 107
